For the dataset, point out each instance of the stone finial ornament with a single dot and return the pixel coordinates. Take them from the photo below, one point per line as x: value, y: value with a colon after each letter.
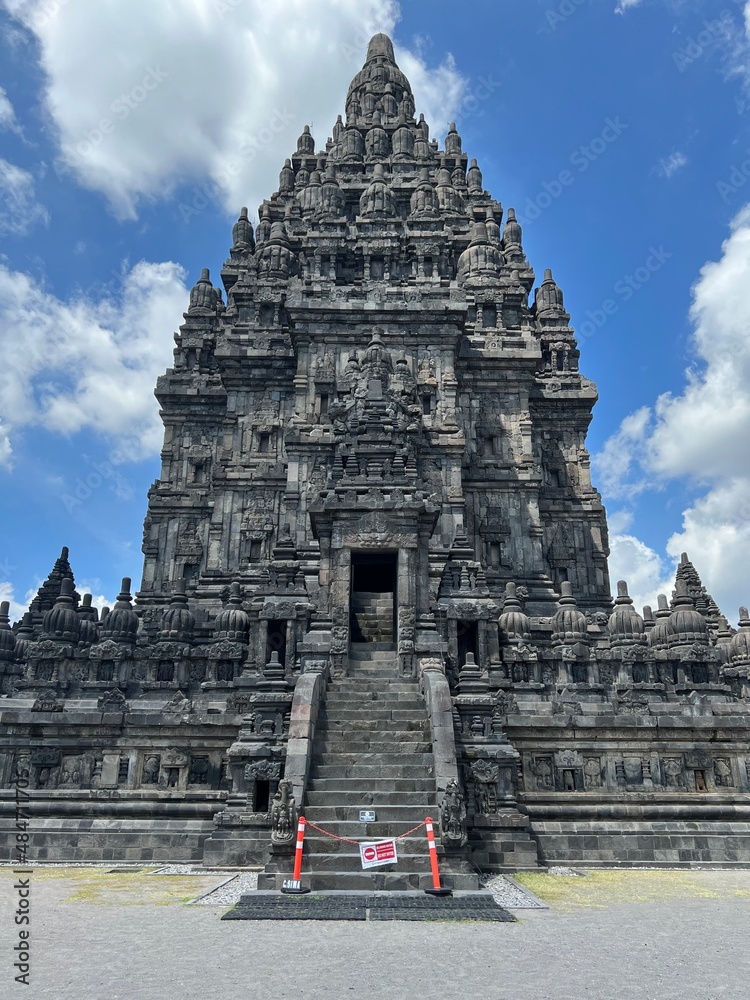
x: 178, y: 621
x: 625, y: 624
x: 549, y: 298
x: 739, y: 649
x: 512, y: 234
x: 569, y: 624
x: 686, y: 625
x: 514, y: 624
x: 61, y: 623
x: 242, y: 232
x: 306, y: 143
x: 7, y: 638
x: 122, y: 621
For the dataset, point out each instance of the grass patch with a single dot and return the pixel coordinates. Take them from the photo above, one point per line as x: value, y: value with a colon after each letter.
x: 96, y: 885
x: 604, y: 888
x: 136, y: 890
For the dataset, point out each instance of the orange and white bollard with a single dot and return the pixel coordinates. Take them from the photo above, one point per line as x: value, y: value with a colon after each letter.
x: 293, y: 886
x: 436, y: 889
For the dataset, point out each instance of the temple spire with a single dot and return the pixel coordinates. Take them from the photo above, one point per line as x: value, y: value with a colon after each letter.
x: 380, y: 47
x: 49, y: 591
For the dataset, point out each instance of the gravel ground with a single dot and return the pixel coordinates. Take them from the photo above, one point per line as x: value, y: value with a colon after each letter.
x: 229, y: 893
x: 509, y: 895
x: 566, y: 872
x: 71, y: 864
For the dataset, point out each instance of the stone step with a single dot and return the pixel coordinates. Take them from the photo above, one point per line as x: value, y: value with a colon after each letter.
x: 354, y: 693
x: 365, y: 771
x: 362, y: 726
x: 335, y: 713
x: 341, y: 741
x: 407, y: 815
x: 370, y: 751
x: 409, y: 709
x: 373, y: 695
x: 380, y: 680
x: 373, y: 785
x: 343, y: 758
x: 384, y: 881
x: 364, y: 748
x: 373, y: 881
x: 363, y: 799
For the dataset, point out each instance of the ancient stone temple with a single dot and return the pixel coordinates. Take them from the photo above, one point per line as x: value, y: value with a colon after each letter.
x: 375, y: 569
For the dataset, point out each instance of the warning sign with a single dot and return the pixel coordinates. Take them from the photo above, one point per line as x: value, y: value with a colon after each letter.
x: 381, y: 853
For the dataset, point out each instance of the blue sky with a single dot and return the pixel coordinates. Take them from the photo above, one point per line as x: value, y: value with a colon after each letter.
x: 131, y: 134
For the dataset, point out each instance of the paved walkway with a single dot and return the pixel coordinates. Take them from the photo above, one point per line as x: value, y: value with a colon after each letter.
x: 615, y: 936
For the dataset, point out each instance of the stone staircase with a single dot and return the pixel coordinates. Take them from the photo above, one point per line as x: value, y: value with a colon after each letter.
x: 371, y: 617
x: 373, y: 751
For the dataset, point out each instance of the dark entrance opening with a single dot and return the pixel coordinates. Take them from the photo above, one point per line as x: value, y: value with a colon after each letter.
x: 276, y: 640
x: 262, y: 796
x: 468, y: 641
x: 372, y: 616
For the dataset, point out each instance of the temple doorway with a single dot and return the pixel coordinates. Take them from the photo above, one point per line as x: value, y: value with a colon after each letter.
x: 467, y: 634
x: 372, y: 615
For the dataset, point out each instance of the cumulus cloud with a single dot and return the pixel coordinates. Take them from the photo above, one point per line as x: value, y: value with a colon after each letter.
x: 699, y: 436
x: 619, y: 457
x: 88, y: 363
x: 145, y: 98
x: 646, y: 572
x: 19, y: 209
x: 705, y: 430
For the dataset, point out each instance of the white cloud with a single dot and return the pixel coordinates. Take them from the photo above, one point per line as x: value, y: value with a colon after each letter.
x: 705, y: 430
x: 144, y: 98
x: 700, y: 435
x: 8, y: 121
x: 619, y: 456
x: 644, y: 570
x: 19, y: 209
x: 88, y: 363
x: 624, y: 5
x: 98, y: 601
x: 17, y: 608
x: 669, y: 165
x: 716, y: 534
